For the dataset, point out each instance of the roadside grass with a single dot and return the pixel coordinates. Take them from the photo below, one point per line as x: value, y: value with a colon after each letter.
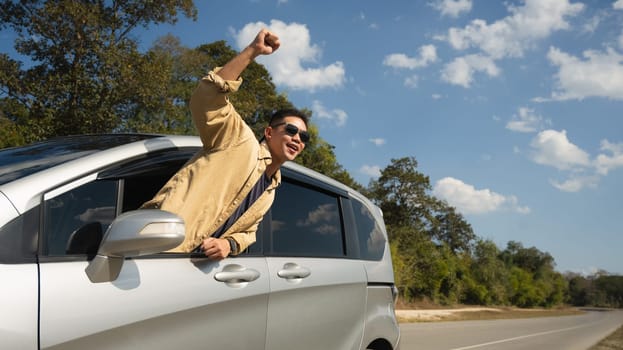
x: 612, y: 342
x: 425, y: 311
x: 498, y: 313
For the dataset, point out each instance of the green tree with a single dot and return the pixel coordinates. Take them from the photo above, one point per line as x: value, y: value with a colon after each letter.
x: 611, y: 287
x: 578, y: 290
x: 401, y: 192
x: 491, y: 280
x: 451, y: 228
x: 534, y: 282
x: 86, y: 73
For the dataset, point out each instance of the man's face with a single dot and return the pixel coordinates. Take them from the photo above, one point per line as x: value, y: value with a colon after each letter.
x: 286, y: 139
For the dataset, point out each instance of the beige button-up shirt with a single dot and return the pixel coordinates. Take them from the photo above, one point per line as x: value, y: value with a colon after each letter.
x: 209, y: 188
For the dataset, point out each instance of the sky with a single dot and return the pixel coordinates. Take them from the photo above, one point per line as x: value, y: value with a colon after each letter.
x: 512, y: 108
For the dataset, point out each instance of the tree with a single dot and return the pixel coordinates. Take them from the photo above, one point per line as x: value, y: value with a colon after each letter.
x: 611, y: 287
x: 534, y: 282
x: 401, y: 192
x: 86, y: 73
x: 451, y: 228
x: 491, y: 280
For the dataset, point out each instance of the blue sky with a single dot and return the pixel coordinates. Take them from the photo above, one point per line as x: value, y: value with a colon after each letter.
x: 513, y: 108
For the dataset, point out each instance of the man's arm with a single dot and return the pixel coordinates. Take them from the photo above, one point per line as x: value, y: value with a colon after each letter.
x: 265, y: 43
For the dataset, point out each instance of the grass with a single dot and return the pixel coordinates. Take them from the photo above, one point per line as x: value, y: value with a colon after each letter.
x: 492, y: 314
x: 427, y: 312
x: 613, y: 342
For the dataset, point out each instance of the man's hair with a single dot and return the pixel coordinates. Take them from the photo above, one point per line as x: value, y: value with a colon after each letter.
x: 281, y: 114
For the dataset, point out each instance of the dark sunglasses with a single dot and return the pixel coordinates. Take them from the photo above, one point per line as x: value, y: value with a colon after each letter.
x: 292, y: 130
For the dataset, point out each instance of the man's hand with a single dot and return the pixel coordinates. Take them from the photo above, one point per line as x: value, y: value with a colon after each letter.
x: 216, y: 248
x: 265, y: 43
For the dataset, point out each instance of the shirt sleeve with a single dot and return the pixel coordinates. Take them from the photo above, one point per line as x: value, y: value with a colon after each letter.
x: 217, y: 121
x: 246, y: 238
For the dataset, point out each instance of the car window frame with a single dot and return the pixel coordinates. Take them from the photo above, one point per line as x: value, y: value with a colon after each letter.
x: 316, y: 186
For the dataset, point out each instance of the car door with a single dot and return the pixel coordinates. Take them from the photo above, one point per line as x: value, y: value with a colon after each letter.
x: 163, y: 301
x: 317, y: 298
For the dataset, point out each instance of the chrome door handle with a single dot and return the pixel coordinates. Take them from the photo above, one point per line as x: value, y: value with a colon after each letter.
x: 236, y: 274
x: 292, y: 271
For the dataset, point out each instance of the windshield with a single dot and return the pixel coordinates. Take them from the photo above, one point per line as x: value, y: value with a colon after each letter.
x: 22, y: 161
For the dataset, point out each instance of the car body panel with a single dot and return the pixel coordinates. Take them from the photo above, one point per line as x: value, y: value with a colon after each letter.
x: 327, y: 301
x: 154, y: 304
x: 380, y: 320
x: 18, y: 302
x: 7, y: 210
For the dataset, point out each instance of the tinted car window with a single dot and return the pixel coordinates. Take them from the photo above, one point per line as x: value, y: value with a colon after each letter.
x: 371, y: 239
x: 306, y: 222
x: 18, y: 238
x: 144, y: 176
x: 74, y: 221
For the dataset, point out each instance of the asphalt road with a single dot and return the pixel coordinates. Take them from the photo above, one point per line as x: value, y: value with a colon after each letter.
x: 551, y: 333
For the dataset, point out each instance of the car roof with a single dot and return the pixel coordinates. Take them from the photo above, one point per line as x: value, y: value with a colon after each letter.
x: 17, y: 162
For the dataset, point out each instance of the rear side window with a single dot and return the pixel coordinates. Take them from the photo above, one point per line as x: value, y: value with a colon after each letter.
x: 371, y: 239
x: 306, y: 222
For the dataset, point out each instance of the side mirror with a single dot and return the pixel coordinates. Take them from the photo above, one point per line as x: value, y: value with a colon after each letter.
x: 135, y: 233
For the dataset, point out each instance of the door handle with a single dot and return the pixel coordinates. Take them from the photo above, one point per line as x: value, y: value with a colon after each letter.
x: 292, y: 271
x: 236, y: 275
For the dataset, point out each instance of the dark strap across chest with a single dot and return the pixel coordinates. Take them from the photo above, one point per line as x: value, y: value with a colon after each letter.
x: 260, y: 186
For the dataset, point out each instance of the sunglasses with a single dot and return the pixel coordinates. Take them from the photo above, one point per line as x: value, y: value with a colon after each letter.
x: 292, y: 130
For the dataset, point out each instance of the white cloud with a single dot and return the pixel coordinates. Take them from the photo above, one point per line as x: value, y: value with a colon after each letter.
x: 286, y: 64
x: 512, y: 35
x: 618, y: 5
x: 553, y: 148
x: 621, y: 41
x: 599, y: 75
x: 461, y: 70
x: 605, y: 163
x: 525, y: 121
x: 337, y: 116
x: 411, y: 81
x: 453, y: 8
x: 427, y: 55
x: 576, y: 183
x: 378, y: 141
x: 371, y: 170
x: 591, y: 25
x: 469, y: 200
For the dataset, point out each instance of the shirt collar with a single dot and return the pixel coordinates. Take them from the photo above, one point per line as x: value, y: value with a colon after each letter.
x: 264, y: 155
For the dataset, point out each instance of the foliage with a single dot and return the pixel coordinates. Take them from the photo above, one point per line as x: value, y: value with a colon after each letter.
x: 85, y: 72
x: 600, y: 289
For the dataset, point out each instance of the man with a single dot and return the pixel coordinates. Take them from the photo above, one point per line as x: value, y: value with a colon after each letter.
x: 223, y: 192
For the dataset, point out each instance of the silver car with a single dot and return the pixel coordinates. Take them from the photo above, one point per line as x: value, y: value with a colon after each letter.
x: 82, y: 268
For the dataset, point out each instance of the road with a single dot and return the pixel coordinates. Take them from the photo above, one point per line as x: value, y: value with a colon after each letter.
x: 552, y: 333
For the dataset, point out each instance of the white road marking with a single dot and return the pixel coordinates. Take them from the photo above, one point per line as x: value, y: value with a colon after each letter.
x: 517, y: 338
